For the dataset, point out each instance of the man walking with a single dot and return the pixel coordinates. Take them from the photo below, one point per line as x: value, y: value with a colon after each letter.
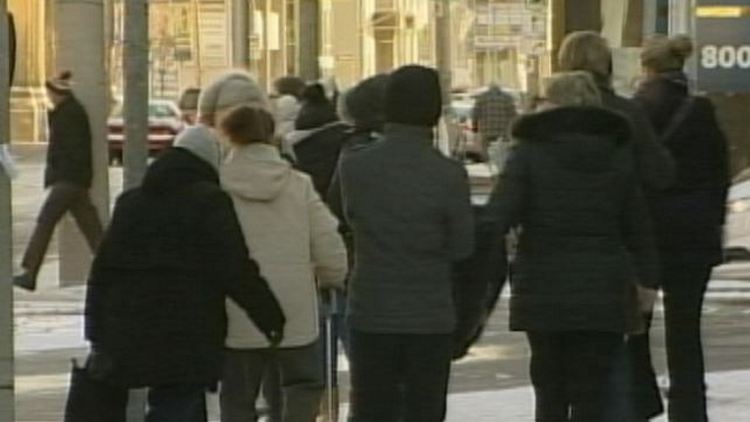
x: 68, y: 176
x: 493, y: 114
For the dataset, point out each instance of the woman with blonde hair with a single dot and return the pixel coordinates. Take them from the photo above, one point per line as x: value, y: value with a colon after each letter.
x: 584, y: 248
x: 589, y: 52
x: 688, y: 217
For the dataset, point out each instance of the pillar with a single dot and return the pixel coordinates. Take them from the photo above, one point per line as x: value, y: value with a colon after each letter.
x: 7, y: 396
x: 308, y: 39
x: 28, y: 101
x: 92, y: 88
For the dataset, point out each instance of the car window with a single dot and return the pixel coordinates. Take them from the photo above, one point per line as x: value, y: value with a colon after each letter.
x: 160, y: 111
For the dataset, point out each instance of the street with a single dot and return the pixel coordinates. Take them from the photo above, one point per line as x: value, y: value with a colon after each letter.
x: 491, y: 384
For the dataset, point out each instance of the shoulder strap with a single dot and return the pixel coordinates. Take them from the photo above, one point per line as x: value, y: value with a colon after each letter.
x: 678, y: 118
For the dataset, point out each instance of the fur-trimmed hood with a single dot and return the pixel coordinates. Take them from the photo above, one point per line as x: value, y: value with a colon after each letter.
x: 581, y: 139
x: 571, y: 121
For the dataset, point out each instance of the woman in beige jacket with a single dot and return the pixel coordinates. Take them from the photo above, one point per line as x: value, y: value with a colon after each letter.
x: 294, y: 238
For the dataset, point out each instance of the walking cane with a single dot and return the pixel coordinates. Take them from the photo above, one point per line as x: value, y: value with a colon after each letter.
x: 332, y: 393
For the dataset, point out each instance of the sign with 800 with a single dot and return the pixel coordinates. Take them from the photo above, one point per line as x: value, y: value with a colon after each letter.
x: 722, y: 33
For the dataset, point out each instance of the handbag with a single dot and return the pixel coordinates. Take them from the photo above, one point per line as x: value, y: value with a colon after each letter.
x: 477, y: 284
x: 94, y: 400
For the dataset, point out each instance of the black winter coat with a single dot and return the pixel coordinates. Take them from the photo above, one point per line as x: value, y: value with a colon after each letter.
x: 688, y: 216
x: 655, y: 165
x: 172, y: 255
x: 318, y: 155
x: 571, y: 185
x: 69, y: 149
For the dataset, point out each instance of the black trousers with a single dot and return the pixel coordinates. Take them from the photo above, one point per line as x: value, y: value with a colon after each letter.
x: 684, y: 284
x: 571, y: 373
x: 399, y: 377
x: 62, y: 198
x: 179, y: 403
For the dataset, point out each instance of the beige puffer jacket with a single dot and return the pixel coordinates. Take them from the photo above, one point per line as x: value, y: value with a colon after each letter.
x: 291, y: 234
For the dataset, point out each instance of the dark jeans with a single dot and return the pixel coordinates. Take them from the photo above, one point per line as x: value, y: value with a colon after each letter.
x: 301, y: 381
x: 183, y: 403
x: 571, y: 373
x: 684, y: 283
x: 62, y: 198
x: 399, y: 377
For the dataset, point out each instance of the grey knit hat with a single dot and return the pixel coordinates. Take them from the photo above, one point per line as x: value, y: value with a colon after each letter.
x: 229, y: 91
x: 201, y: 142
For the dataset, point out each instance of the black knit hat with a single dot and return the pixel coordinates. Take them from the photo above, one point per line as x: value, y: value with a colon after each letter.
x: 413, y: 96
x: 365, y: 103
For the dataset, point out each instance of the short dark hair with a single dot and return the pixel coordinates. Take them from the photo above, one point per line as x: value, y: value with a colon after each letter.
x: 247, y: 125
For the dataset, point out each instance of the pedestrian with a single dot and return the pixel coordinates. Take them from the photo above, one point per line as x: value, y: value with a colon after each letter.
x: 155, y: 307
x: 638, y: 396
x: 588, y: 51
x: 317, y: 141
x: 584, y: 250
x: 688, y: 216
x: 492, y: 116
x: 227, y: 92
x: 410, y: 212
x: 294, y: 238
x: 287, y: 104
x: 68, y: 176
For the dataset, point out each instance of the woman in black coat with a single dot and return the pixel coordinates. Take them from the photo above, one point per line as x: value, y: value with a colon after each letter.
x: 688, y: 217
x: 155, y: 311
x: 585, y: 249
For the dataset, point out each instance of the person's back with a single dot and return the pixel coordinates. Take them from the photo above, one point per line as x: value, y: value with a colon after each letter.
x: 493, y: 115
x: 410, y: 212
x: 289, y: 231
x: 172, y: 254
x: 579, y: 182
x: 399, y: 195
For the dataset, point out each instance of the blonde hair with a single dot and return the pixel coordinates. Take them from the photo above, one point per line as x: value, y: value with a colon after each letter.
x: 572, y: 89
x: 586, y: 51
x: 663, y: 54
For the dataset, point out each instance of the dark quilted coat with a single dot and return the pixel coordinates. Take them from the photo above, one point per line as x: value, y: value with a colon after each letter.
x: 688, y: 216
x: 172, y: 255
x: 571, y: 187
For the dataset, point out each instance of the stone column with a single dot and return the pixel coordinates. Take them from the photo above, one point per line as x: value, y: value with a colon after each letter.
x: 80, y: 27
x: 308, y: 39
x: 28, y: 101
x: 7, y: 396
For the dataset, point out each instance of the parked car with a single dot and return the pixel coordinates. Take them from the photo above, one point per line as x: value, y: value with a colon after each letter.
x: 164, y: 123
x: 737, y: 230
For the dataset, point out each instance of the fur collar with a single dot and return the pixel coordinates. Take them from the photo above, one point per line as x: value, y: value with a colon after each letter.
x: 588, y: 121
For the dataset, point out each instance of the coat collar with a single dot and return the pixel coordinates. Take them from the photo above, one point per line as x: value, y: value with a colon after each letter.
x: 591, y: 121
x: 402, y: 133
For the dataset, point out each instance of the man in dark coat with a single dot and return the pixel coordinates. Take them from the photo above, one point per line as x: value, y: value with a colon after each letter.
x: 68, y: 176
x: 173, y: 254
x: 411, y: 216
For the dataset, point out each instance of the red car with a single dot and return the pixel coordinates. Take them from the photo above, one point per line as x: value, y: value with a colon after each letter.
x: 164, y: 123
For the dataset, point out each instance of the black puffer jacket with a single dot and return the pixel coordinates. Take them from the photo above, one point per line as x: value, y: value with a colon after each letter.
x: 571, y: 185
x: 69, y: 150
x: 173, y: 254
x: 655, y: 165
x: 689, y: 215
